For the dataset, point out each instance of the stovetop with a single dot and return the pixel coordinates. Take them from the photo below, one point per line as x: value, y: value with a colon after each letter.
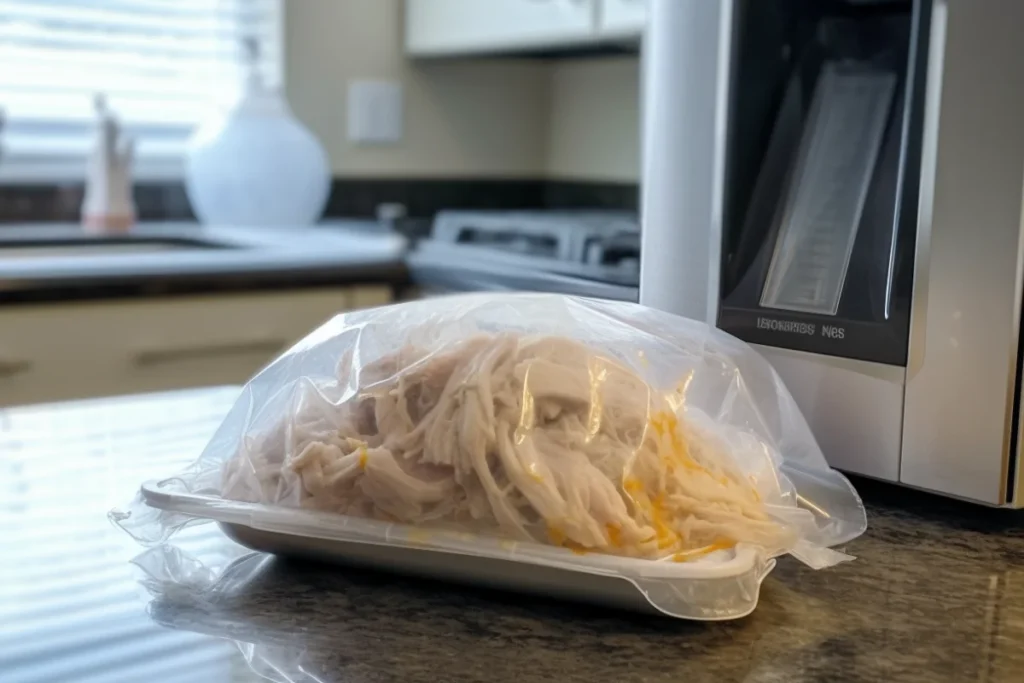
x: 599, y: 246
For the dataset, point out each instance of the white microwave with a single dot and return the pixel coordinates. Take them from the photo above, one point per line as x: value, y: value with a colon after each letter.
x: 840, y: 184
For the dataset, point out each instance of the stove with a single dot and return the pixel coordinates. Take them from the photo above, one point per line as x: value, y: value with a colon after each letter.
x: 589, y: 253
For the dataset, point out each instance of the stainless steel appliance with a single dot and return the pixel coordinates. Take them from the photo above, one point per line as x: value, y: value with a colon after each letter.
x: 840, y: 183
x: 586, y: 253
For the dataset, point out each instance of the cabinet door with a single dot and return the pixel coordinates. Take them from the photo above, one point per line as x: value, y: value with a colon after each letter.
x: 446, y: 27
x: 623, y: 18
x: 369, y: 296
x: 57, y: 352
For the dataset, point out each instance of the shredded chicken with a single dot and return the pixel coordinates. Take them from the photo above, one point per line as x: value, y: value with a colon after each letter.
x: 530, y: 438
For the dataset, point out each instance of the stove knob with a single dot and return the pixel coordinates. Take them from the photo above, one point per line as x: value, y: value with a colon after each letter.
x: 630, y: 265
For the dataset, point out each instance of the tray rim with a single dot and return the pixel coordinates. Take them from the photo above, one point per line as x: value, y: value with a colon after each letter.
x: 735, y: 563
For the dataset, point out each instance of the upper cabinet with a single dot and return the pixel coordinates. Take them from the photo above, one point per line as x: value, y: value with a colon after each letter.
x: 452, y: 27
x: 622, y: 18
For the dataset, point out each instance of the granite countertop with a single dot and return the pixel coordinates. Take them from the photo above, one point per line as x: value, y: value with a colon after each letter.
x: 936, y: 594
x: 59, y: 262
x: 52, y: 262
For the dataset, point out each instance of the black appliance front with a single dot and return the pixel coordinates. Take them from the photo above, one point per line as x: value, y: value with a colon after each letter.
x: 822, y: 166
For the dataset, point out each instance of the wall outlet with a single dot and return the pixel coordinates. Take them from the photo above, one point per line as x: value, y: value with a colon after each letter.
x: 375, y: 114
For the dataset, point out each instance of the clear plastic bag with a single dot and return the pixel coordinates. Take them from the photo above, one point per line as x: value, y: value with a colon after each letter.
x: 586, y: 436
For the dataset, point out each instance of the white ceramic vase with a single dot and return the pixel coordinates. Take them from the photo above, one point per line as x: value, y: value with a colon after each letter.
x: 257, y: 165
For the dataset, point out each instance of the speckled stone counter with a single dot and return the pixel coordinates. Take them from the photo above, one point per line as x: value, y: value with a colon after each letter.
x: 57, y: 263
x: 936, y: 594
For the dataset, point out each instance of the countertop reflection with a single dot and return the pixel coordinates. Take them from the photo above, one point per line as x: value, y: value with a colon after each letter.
x: 936, y: 594
x: 70, y: 603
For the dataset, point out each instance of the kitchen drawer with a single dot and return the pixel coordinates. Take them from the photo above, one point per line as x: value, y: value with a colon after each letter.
x: 370, y: 296
x: 60, y: 352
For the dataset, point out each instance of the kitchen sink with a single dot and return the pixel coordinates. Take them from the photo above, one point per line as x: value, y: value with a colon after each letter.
x: 19, y: 249
x: 64, y: 241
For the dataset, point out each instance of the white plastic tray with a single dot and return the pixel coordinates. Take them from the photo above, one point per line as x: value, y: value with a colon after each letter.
x: 720, y: 586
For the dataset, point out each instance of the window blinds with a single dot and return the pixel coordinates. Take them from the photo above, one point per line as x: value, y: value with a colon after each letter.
x: 162, y: 65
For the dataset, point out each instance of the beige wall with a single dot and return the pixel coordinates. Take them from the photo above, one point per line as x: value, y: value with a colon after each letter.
x: 462, y: 118
x: 594, y: 127
x: 575, y: 119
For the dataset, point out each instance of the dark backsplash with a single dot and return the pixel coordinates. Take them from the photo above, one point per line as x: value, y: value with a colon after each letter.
x: 349, y: 198
x: 565, y: 194
x: 62, y: 203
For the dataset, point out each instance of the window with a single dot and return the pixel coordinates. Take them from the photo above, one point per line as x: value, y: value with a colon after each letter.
x: 163, y: 66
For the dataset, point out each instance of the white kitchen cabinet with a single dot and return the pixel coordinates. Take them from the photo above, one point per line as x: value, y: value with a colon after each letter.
x: 450, y: 27
x: 59, y: 352
x: 622, y: 18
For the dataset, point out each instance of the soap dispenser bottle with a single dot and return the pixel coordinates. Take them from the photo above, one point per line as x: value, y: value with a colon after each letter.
x: 108, y: 206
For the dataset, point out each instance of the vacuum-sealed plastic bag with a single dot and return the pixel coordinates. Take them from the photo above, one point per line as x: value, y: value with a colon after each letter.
x: 587, y: 436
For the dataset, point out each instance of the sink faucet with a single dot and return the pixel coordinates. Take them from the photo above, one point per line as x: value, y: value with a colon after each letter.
x: 107, y: 205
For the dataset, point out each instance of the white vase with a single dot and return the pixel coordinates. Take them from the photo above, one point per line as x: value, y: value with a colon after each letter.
x: 257, y: 165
